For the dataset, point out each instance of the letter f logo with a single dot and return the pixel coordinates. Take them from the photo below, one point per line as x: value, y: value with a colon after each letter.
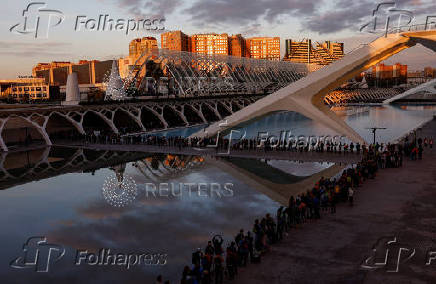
x: 38, y: 254
x: 36, y: 18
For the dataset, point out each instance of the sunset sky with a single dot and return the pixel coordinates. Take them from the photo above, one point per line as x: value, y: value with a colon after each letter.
x: 317, y: 19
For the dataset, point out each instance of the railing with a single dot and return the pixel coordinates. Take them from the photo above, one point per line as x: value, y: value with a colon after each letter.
x: 396, y: 30
x: 413, y: 28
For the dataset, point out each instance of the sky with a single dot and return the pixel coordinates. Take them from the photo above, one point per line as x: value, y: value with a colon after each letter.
x: 295, y: 19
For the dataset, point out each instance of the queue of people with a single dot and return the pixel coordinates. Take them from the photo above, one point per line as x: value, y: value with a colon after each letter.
x: 254, y: 144
x: 214, y: 264
x: 93, y: 136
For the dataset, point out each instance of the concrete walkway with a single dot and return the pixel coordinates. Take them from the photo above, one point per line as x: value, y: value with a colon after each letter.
x: 398, y: 203
x: 310, y: 156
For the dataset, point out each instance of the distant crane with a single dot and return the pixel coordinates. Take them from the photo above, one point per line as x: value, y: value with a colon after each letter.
x: 374, y: 129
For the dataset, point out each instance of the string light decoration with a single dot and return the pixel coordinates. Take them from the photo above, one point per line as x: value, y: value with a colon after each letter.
x: 115, y: 86
x: 119, y: 191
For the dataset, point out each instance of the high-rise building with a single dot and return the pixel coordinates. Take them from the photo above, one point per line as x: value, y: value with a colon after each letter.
x: 264, y: 48
x: 210, y: 44
x: 175, y: 40
x: 223, y: 44
x: 304, y: 52
x: 237, y: 46
x: 140, y: 45
x: 389, y: 75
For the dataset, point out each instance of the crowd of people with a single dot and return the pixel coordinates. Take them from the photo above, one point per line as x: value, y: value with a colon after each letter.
x: 254, y: 144
x: 214, y: 264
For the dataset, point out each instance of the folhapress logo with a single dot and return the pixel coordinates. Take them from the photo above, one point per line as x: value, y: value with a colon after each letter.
x: 38, y: 20
x: 388, y: 254
x: 38, y: 254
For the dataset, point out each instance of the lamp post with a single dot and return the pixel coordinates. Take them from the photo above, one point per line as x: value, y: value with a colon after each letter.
x: 374, y: 129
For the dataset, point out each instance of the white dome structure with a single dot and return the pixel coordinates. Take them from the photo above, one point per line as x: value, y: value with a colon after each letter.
x: 72, y: 90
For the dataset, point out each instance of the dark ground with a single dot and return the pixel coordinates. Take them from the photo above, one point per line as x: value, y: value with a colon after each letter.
x: 399, y: 203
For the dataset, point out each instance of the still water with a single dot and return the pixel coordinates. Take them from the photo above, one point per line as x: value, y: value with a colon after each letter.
x: 53, y: 194
x: 397, y: 119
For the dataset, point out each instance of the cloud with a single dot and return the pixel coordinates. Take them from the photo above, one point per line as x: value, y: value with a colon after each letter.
x: 253, y: 29
x: 151, y: 7
x: 243, y: 12
x: 351, y: 15
x: 324, y: 17
x: 34, y: 49
x: 171, y: 226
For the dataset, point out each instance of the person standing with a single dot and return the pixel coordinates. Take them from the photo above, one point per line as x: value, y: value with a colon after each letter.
x: 350, y: 195
x: 186, y: 276
x: 218, y: 261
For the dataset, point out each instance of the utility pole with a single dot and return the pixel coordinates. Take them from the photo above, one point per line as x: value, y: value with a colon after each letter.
x: 374, y: 129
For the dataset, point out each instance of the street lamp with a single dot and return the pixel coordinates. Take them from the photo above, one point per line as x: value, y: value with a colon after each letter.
x: 374, y: 129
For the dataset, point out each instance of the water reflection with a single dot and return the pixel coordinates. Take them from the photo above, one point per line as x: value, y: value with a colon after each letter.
x: 22, y: 167
x: 65, y: 205
x: 56, y: 192
x: 398, y: 119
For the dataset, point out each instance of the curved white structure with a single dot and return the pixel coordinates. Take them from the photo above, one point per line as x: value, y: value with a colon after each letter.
x: 429, y: 88
x: 306, y: 95
x: 189, y: 112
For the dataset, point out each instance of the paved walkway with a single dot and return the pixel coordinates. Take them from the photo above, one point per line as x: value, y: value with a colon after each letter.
x: 255, y: 154
x: 398, y: 203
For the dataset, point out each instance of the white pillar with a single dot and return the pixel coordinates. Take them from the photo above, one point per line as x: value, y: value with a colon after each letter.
x: 72, y: 90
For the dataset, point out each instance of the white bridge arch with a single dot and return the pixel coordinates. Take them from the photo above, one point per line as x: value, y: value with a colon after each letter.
x: 116, y: 118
